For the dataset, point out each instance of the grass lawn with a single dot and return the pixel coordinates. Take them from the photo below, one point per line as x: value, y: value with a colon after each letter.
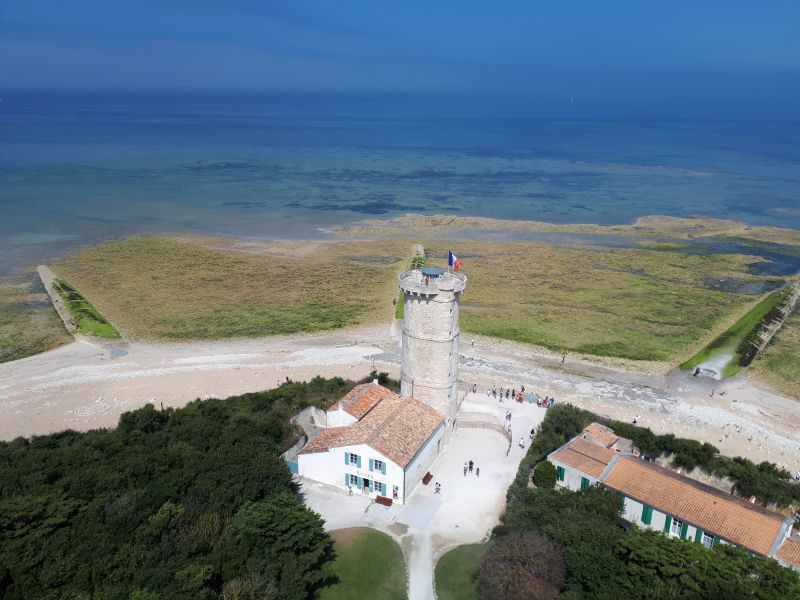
x: 89, y: 321
x: 28, y: 322
x: 622, y: 302
x: 455, y: 572
x: 731, y: 340
x: 369, y: 564
x: 175, y: 288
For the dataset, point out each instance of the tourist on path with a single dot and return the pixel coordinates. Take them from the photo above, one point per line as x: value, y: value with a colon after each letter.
x: 470, y: 466
x: 477, y: 471
x: 465, y: 469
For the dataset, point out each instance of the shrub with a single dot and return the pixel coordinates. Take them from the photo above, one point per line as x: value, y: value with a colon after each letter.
x: 544, y: 475
x: 522, y: 564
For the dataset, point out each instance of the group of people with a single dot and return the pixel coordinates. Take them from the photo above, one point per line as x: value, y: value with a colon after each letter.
x: 469, y: 467
x: 513, y: 394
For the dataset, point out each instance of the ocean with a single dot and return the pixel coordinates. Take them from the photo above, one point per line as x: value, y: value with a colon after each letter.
x: 80, y: 168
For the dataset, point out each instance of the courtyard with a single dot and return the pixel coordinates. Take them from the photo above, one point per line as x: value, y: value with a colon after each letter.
x: 467, y: 506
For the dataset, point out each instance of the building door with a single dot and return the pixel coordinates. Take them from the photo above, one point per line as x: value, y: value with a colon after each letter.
x: 365, y: 489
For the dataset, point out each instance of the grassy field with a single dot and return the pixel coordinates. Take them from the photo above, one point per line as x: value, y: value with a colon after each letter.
x: 88, y: 320
x: 369, y: 564
x: 167, y: 288
x: 455, y: 572
x: 779, y: 363
x: 630, y: 303
x: 733, y: 339
x: 28, y: 322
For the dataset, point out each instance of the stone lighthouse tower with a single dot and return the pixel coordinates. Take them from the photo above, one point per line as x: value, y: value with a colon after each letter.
x: 429, y: 369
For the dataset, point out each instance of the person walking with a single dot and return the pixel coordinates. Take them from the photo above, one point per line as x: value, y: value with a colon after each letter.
x: 465, y: 469
x: 522, y: 442
x: 477, y: 471
x: 470, y: 466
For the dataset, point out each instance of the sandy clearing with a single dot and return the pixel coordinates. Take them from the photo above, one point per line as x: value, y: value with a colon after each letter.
x: 82, y: 387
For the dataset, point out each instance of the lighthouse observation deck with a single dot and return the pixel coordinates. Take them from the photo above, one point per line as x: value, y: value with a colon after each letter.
x: 431, y: 280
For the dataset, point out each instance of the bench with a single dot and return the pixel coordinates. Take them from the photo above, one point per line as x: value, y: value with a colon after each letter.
x: 383, y: 500
x: 427, y: 479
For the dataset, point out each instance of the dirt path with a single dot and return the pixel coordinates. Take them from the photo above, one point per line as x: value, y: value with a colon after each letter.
x: 81, y: 386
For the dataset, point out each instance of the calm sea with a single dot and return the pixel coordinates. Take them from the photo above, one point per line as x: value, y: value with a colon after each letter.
x: 76, y: 169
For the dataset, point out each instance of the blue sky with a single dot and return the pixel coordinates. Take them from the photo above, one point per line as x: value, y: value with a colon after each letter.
x: 609, y: 51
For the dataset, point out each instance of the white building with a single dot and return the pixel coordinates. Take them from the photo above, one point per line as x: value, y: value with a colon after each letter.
x: 377, y: 443
x: 657, y: 498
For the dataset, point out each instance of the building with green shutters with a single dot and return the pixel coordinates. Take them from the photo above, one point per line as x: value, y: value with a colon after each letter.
x: 660, y: 499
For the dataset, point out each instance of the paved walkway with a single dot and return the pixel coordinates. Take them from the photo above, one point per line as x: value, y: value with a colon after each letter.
x: 465, y: 511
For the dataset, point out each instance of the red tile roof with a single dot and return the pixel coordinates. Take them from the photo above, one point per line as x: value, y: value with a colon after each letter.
x: 602, y: 434
x: 585, y: 456
x: 396, y: 427
x: 727, y: 516
x: 789, y: 552
x: 362, y: 399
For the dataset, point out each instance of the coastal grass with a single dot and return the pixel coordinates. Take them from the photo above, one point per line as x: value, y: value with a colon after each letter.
x: 735, y: 339
x: 779, y: 363
x: 181, y: 288
x: 28, y: 322
x: 455, y: 572
x: 87, y: 319
x: 630, y: 303
x: 369, y: 564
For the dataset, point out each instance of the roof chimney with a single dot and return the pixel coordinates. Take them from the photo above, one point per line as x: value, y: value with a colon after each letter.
x: 375, y: 381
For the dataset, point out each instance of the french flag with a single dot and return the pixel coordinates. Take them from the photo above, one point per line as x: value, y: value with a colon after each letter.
x: 453, y: 261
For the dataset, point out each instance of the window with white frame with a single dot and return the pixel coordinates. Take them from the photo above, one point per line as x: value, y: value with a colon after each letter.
x: 379, y: 488
x: 352, y: 459
x: 708, y: 540
x: 353, y: 480
x: 378, y: 465
x: 675, y: 528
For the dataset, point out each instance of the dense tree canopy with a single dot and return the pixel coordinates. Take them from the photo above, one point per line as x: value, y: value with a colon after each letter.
x: 186, y: 503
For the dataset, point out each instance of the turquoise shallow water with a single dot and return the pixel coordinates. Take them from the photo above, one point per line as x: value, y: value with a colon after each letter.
x: 76, y: 169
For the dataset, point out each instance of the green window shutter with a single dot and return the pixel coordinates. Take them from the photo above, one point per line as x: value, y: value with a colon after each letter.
x: 358, y: 461
x: 698, y: 536
x: 383, y: 467
x: 561, y: 473
x: 716, y: 541
x: 667, y: 523
x: 347, y: 458
x: 647, y: 514
x: 371, y: 463
x: 684, y: 530
x: 584, y: 483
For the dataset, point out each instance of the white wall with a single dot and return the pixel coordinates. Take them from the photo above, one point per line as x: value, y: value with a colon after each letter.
x: 632, y: 511
x: 573, y: 476
x: 329, y: 467
x: 419, y: 465
x: 339, y: 418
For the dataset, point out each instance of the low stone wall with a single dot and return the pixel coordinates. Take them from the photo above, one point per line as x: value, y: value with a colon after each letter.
x: 479, y: 420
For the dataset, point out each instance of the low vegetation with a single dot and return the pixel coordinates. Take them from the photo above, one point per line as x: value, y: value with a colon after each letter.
x: 604, y: 561
x: 167, y: 288
x: 740, y: 341
x: 86, y: 317
x: 28, y: 322
x: 369, y: 564
x: 622, y: 302
x: 188, y: 503
x: 456, y: 572
x: 779, y: 363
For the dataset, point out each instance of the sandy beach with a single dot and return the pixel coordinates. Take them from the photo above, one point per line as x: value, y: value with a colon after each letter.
x: 82, y: 386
